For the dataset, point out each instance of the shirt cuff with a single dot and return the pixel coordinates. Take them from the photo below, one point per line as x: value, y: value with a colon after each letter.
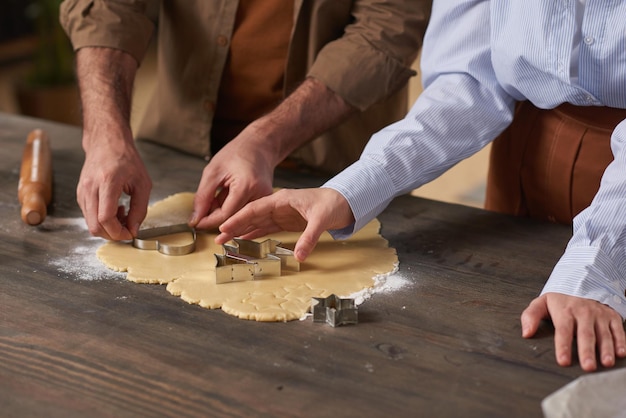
x: 368, y: 189
x: 589, y: 273
x: 113, y: 24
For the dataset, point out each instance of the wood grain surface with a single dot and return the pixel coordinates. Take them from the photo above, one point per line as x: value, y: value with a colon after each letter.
x: 447, y: 344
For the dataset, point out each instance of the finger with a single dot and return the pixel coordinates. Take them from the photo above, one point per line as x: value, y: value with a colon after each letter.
x: 239, y: 222
x: 225, y: 235
x: 216, y: 214
x: 211, y: 221
x: 220, y: 197
x: 137, y: 210
x: 249, y: 233
x: 121, y: 215
x: 89, y: 204
x: 586, y: 341
x: 235, y: 197
x: 255, y: 215
x: 605, y: 344
x: 231, y: 202
x: 532, y: 316
x: 218, y: 200
x: 564, y: 326
x: 619, y: 336
x: 204, y: 196
x: 308, y: 240
x: 107, y: 215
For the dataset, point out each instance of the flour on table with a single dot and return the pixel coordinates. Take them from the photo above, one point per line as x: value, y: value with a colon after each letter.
x: 383, y: 283
x: 80, y: 262
x: 340, y: 267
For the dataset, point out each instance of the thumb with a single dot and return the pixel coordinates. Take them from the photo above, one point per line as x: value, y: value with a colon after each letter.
x: 203, y: 201
x: 532, y: 316
x: 307, y: 241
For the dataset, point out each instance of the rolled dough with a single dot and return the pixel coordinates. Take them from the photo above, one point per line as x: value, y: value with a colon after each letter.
x: 339, y: 267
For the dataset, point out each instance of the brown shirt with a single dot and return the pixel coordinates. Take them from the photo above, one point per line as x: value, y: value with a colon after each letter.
x: 360, y: 49
x: 253, y: 78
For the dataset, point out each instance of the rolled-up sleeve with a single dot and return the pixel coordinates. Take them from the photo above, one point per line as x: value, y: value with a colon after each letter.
x: 126, y: 25
x: 373, y: 58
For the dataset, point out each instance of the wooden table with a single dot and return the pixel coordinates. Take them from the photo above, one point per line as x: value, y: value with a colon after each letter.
x: 448, y: 344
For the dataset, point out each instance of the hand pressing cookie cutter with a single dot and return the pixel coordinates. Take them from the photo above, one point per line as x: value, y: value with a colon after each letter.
x: 245, y: 260
x: 145, y: 239
x: 334, y: 310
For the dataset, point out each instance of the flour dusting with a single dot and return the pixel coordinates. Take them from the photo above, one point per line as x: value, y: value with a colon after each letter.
x: 81, y: 261
x: 383, y: 283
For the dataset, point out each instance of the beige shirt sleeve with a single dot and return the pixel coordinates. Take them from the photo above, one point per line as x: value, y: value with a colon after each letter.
x: 125, y: 25
x: 373, y: 58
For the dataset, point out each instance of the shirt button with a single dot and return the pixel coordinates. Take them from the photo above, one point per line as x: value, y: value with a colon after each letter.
x: 589, y: 40
x: 617, y: 299
x: 222, y: 40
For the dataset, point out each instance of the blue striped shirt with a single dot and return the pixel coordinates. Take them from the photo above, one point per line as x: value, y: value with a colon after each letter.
x: 479, y: 58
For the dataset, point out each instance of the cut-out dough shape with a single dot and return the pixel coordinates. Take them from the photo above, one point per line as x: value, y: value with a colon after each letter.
x: 339, y: 267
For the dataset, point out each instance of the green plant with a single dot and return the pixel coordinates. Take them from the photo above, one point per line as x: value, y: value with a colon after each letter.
x: 54, y: 60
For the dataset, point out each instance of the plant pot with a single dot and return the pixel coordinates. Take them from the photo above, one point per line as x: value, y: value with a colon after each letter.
x: 57, y: 103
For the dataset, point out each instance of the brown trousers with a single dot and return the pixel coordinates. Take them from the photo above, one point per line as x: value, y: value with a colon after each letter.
x: 548, y: 163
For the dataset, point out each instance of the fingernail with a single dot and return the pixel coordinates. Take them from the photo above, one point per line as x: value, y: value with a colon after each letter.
x: 301, y: 255
x: 193, y: 219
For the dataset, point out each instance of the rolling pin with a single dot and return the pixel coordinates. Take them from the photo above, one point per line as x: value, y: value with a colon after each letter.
x: 34, y: 190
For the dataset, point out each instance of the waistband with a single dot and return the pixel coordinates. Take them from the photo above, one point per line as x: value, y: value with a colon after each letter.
x: 599, y: 116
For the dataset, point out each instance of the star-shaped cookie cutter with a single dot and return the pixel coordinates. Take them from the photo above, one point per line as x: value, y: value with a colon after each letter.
x: 334, y: 310
x: 245, y: 260
x: 146, y: 239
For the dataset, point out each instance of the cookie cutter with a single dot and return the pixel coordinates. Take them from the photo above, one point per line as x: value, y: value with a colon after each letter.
x: 334, y: 310
x: 245, y: 260
x: 146, y: 239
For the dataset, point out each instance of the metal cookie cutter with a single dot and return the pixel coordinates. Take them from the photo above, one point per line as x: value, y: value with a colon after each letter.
x: 334, y: 310
x: 248, y: 260
x: 145, y: 239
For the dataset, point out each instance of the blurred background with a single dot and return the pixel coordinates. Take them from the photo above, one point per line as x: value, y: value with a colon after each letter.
x: 37, y: 79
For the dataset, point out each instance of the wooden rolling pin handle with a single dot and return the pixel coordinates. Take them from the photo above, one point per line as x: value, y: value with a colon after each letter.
x: 34, y: 190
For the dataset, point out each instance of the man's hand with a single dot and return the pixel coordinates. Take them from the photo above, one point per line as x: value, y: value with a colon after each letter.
x: 595, y: 326
x: 243, y: 170
x: 310, y: 210
x: 108, y: 172
x: 112, y: 165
